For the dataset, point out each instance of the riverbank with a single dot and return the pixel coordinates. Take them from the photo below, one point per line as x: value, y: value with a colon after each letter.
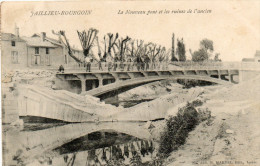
x: 232, y: 137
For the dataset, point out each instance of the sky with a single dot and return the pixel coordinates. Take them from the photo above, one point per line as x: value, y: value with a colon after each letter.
x: 233, y: 26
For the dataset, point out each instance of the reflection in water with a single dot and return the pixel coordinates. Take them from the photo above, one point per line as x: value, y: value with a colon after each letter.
x: 95, y: 140
x: 80, y: 144
x: 114, y: 155
x: 123, y: 150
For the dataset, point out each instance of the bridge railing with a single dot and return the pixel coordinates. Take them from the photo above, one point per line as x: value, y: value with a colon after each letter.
x: 119, y: 66
x: 217, y: 65
x: 157, y: 66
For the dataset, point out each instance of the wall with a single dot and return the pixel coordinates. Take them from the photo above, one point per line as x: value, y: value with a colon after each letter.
x: 245, y: 75
x: 6, y: 50
x: 56, y: 57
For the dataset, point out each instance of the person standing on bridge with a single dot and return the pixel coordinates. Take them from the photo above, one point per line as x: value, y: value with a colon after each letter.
x: 109, y: 62
x: 100, y: 64
x: 115, y: 62
x: 129, y: 61
x: 88, y: 63
x: 146, y: 61
x: 138, y: 61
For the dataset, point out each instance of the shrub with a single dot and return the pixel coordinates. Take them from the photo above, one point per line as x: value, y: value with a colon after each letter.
x: 195, y: 103
x: 178, y: 127
x: 204, y: 115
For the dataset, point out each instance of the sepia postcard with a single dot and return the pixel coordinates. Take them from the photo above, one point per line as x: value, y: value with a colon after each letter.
x: 130, y: 83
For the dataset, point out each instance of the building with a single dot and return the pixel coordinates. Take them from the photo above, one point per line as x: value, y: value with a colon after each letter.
x: 37, y: 51
x: 255, y: 59
x: 257, y: 56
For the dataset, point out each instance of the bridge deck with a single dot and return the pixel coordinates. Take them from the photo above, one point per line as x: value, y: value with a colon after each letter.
x: 133, y: 73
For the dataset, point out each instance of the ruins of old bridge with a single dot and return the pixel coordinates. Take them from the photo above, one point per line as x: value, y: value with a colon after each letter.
x: 105, y: 83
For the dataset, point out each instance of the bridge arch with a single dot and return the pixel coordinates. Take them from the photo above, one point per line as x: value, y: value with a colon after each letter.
x: 124, y: 85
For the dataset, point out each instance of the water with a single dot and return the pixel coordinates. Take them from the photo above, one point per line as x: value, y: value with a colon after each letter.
x: 78, y: 144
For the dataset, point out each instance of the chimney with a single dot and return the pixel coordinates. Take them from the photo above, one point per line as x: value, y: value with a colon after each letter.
x: 43, y: 35
x: 16, y: 30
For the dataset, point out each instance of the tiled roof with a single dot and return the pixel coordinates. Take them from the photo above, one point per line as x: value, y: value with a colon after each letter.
x: 36, y: 41
x: 11, y: 37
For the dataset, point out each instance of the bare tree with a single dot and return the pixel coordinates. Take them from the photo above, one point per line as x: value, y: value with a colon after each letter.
x: 67, y: 45
x: 141, y: 49
x: 135, y: 50
x: 87, y: 39
x: 145, y: 50
x: 105, y: 48
x: 162, y: 54
x: 122, y: 47
x: 154, y: 52
x: 99, y: 49
x: 111, y: 42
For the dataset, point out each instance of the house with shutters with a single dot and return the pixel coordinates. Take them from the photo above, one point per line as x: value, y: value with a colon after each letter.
x: 36, y: 51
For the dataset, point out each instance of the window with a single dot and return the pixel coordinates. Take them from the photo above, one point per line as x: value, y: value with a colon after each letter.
x: 13, y: 43
x: 47, y: 50
x: 14, y: 56
x: 37, y: 50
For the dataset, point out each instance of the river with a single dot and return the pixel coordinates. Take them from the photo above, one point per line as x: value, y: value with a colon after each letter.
x: 122, y: 143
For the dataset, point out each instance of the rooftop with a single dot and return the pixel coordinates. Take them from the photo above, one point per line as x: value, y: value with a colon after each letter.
x: 56, y: 42
x: 36, y: 41
x: 11, y: 37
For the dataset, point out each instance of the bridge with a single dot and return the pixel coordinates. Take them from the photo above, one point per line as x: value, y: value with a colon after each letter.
x: 70, y: 107
x: 105, y: 83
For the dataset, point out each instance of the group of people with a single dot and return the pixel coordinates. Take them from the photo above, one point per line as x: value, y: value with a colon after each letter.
x: 114, y: 64
x: 130, y: 64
